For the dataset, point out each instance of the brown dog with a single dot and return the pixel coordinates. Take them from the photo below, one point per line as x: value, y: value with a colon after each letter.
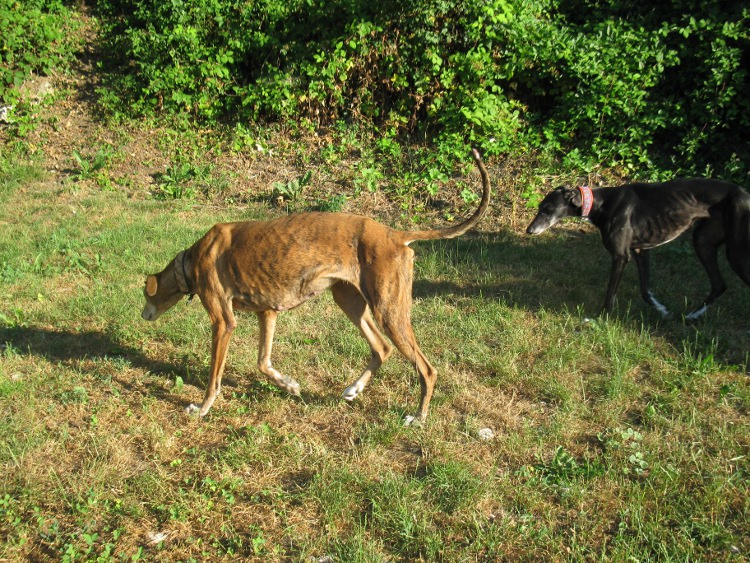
x: 272, y: 266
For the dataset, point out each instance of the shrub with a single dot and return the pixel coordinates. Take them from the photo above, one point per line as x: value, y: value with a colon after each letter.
x: 656, y: 88
x: 35, y: 39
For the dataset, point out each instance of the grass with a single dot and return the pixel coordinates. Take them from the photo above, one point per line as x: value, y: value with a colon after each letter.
x: 615, y: 439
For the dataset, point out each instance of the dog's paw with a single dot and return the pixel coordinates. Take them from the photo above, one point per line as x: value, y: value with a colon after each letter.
x: 656, y: 304
x: 352, y: 392
x: 291, y: 386
x: 192, y: 409
x: 697, y: 314
x: 410, y: 420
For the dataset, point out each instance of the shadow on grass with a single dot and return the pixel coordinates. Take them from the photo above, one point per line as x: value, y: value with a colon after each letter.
x: 68, y: 347
x: 531, y: 273
x: 567, y: 269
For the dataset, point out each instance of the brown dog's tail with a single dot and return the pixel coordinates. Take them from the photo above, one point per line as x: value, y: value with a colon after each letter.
x: 461, y: 228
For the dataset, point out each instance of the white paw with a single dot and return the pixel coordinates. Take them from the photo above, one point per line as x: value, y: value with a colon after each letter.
x: 409, y: 420
x: 351, y: 392
x: 192, y: 409
x: 292, y: 387
x: 285, y: 382
x: 697, y: 314
x: 656, y: 304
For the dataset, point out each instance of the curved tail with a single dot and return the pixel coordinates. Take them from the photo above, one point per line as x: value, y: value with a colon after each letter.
x: 461, y: 228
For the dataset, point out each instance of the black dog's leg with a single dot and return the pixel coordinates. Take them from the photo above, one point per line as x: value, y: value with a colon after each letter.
x: 740, y: 262
x: 615, y: 275
x: 644, y: 275
x: 737, y: 232
x: 707, y: 237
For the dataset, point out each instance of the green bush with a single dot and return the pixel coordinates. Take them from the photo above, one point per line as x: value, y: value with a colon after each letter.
x: 35, y: 39
x: 661, y: 89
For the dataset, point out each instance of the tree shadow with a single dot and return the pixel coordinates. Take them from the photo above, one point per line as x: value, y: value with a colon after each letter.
x: 566, y: 270
x: 69, y: 347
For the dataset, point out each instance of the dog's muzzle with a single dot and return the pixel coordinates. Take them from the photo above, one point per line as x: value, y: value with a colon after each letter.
x: 150, y: 313
x: 538, y: 225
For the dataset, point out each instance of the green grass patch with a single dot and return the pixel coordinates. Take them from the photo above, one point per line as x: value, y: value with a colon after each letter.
x: 613, y: 439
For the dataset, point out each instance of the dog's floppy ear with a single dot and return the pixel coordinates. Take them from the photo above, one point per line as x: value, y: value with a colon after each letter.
x: 572, y: 196
x: 152, y: 284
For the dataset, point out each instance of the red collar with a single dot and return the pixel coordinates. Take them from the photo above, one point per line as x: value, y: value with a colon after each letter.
x: 587, y: 200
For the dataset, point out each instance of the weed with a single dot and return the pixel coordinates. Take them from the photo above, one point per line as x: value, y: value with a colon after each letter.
x: 369, y: 178
x: 75, y: 261
x: 291, y: 190
x: 77, y: 394
x: 176, y: 181
x: 89, y: 167
x: 626, y: 444
x: 564, y: 468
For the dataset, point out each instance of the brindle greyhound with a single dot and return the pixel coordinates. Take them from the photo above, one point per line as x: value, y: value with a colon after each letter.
x: 272, y: 266
x: 636, y: 217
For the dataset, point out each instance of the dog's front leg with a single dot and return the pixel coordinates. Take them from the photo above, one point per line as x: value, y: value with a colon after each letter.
x: 615, y: 275
x: 267, y: 322
x: 222, y: 326
x: 644, y: 277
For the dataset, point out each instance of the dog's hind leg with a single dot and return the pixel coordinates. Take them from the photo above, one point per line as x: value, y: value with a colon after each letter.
x: 707, y: 237
x: 739, y: 260
x: 267, y: 323
x: 402, y: 335
x: 350, y: 300
x: 642, y: 261
x: 390, y: 300
x: 738, y: 237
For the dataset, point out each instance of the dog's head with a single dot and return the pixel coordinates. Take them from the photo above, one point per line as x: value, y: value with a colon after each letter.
x: 559, y: 203
x: 161, y: 293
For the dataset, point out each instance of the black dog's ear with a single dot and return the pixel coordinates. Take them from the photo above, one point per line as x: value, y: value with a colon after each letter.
x: 572, y: 196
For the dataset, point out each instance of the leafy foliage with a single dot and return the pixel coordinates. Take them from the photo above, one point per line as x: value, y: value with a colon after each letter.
x: 89, y: 167
x: 653, y: 88
x: 35, y: 39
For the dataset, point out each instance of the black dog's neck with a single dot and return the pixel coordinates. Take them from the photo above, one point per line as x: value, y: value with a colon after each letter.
x: 587, y: 200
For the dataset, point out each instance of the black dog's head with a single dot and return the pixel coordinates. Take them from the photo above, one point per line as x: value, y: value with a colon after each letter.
x: 559, y: 203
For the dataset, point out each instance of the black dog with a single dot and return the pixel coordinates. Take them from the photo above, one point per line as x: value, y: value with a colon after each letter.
x: 636, y: 217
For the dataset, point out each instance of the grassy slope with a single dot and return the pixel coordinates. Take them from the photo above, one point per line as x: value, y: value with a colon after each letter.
x: 613, y: 439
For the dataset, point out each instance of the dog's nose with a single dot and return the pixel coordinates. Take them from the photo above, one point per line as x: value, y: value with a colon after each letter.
x: 535, y: 228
